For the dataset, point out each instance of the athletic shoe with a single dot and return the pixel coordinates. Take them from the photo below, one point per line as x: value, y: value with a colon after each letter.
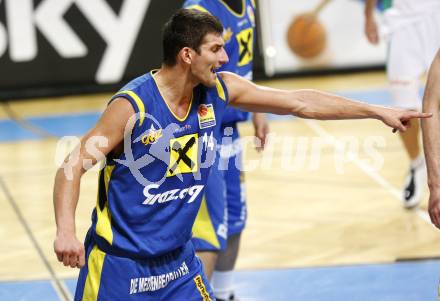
x: 414, y: 184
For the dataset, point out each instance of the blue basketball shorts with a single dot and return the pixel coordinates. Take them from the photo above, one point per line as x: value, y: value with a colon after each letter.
x: 175, y: 276
x: 223, y: 211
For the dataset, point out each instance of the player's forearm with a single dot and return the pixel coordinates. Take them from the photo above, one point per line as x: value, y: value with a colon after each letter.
x: 431, y: 141
x: 319, y: 105
x: 432, y: 154
x: 65, y: 199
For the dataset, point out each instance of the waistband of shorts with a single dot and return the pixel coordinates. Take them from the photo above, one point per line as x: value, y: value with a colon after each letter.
x: 161, y: 259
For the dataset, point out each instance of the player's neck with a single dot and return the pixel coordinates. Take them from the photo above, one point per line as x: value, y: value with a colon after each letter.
x: 174, y: 85
x: 235, y: 5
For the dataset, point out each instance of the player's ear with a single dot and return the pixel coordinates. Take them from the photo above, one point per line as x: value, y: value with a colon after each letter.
x: 186, y: 55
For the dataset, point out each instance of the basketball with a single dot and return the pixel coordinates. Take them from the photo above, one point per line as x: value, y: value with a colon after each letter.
x: 306, y: 36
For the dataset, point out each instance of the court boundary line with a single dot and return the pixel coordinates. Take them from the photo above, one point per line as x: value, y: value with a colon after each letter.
x: 374, y: 175
x: 25, y: 124
x: 58, y: 285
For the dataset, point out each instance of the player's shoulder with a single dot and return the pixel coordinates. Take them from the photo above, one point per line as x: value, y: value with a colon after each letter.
x: 229, y: 78
x: 234, y: 84
x: 138, y: 83
x: 218, y: 91
x: 138, y: 92
x: 140, y: 89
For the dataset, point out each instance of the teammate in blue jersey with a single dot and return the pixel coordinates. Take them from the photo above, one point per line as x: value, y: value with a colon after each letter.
x: 220, y: 222
x: 158, y: 136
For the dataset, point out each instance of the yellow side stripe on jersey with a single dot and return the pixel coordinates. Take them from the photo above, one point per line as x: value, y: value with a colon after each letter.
x: 203, y: 228
x: 253, y: 3
x: 139, y: 104
x: 220, y: 90
x: 103, y: 224
x: 198, y: 7
x: 94, y: 264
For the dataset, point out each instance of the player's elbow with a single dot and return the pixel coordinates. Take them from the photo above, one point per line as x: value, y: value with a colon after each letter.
x: 69, y: 170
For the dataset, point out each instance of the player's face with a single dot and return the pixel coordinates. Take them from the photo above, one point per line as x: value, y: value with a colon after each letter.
x: 211, y: 56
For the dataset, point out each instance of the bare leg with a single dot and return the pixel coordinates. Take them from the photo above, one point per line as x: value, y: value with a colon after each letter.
x: 222, y: 281
x: 227, y: 258
x: 208, y: 258
x: 410, y: 140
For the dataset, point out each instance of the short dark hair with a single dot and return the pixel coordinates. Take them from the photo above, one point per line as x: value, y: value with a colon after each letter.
x: 187, y: 28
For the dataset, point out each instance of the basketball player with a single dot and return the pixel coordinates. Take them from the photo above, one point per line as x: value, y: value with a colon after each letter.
x: 158, y: 137
x: 431, y: 138
x: 218, y: 228
x: 413, y: 28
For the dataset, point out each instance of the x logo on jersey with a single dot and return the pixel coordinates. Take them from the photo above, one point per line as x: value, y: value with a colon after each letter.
x: 245, y: 41
x: 182, y: 156
x: 245, y: 44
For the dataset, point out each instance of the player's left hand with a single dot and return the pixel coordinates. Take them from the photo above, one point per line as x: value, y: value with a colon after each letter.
x: 261, y: 129
x: 400, y: 119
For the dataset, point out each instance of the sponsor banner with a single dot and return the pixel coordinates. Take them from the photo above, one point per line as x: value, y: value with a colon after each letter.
x: 58, y: 43
x: 316, y: 35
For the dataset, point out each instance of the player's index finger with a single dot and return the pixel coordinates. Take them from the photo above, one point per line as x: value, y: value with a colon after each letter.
x: 421, y: 115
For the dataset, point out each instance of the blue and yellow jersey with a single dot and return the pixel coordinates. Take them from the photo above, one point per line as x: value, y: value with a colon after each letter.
x: 239, y: 36
x: 149, y: 197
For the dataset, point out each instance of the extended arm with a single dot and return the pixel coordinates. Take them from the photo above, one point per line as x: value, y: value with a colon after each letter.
x: 110, y: 131
x: 311, y: 104
x: 431, y: 138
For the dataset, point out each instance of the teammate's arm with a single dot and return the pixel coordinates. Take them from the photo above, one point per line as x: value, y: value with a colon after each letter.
x: 370, y: 28
x: 431, y: 138
x: 261, y: 128
x: 311, y: 104
x: 105, y: 136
